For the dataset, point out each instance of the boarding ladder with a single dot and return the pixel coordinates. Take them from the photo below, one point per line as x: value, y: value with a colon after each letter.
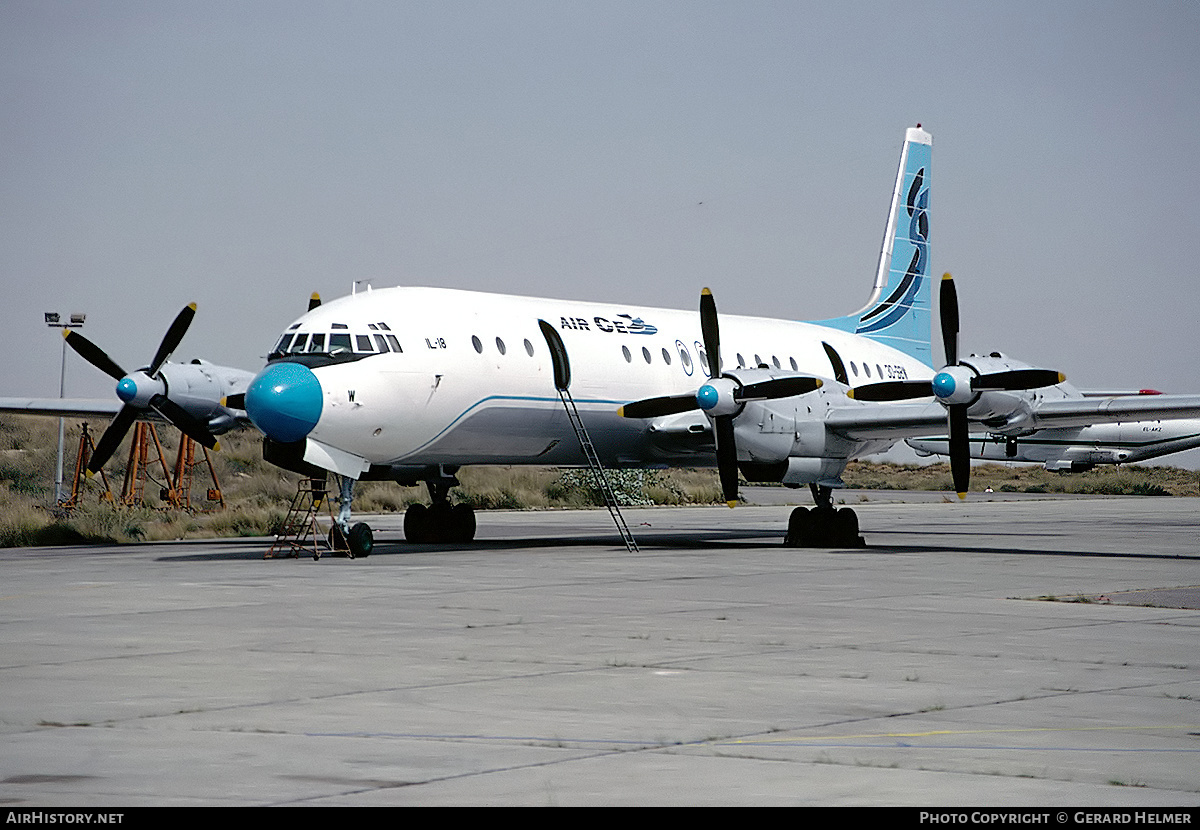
x: 300, y: 531
x: 601, y: 478
x: 562, y: 382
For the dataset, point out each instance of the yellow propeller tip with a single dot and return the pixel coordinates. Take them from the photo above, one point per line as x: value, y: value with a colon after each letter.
x: 89, y: 473
x: 731, y: 504
x: 216, y: 446
x: 850, y: 393
x: 1061, y: 377
x: 705, y: 291
x: 620, y: 411
x: 962, y: 496
x: 66, y: 333
x: 820, y: 383
x: 946, y: 276
x: 192, y: 306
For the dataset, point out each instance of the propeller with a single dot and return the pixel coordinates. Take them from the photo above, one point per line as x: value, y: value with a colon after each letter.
x: 721, y: 398
x: 141, y: 390
x: 956, y: 386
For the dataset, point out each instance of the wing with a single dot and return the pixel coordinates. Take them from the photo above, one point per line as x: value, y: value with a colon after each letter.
x: 62, y: 407
x: 897, y: 420
x: 1074, y: 412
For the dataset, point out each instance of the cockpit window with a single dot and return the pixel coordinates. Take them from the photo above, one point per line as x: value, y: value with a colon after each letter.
x: 338, y: 346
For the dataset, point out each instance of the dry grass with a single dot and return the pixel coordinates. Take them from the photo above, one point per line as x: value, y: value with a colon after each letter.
x: 257, y: 494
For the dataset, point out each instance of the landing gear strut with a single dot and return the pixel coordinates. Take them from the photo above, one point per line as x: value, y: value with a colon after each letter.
x: 440, y: 521
x: 824, y: 526
x: 357, y: 540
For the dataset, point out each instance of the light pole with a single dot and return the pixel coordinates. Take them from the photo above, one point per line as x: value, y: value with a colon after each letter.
x: 75, y: 322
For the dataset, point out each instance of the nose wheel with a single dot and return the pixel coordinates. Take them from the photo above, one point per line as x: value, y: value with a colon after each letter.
x: 357, y: 544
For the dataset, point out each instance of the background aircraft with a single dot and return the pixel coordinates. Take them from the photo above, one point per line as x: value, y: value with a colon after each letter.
x: 1076, y: 449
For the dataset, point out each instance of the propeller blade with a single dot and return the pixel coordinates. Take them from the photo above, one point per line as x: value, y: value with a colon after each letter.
x: 892, y: 390
x: 184, y: 421
x: 1016, y: 379
x: 171, y: 339
x: 235, y: 401
x: 948, y: 309
x: 93, y: 354
x: 778, y: 388
x: 726, y: 458
x: 658, y: 407
x: 112, y: 438
x: 711, y: 332
x: 960, y: 449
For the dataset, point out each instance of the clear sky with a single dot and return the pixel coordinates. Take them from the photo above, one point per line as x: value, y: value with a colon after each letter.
x: 244, y: 154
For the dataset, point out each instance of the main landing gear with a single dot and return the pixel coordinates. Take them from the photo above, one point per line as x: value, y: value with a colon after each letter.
x: 440, y: 521
x: 824, y: 526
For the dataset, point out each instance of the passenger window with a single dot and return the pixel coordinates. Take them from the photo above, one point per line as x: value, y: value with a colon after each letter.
x: 795, y: 366
x: 646, y: 354
x: 628, y: 356
x: 500, y: 346
x: 477, y: 343
x: 666, y: 357
x: 528, y: 347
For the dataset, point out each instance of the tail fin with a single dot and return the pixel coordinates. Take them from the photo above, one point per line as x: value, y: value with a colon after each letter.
x: 898, y: 312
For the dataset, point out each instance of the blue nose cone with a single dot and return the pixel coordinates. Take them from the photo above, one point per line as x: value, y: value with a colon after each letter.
x: 943, y: 385
x: 126, y: 390
x: 284, y: 401
x: 707, y: 397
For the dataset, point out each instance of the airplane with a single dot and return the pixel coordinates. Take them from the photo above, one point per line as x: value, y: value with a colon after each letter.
x: 188, y: 395
x: 1077, y: 449
x: 410, y: 384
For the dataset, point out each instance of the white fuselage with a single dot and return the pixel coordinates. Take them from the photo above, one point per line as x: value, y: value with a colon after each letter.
x: 475, y: 381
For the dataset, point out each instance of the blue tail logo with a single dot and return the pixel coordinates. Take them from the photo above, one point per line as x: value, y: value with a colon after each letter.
x: 901, y: 300
x: 898, y: 312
